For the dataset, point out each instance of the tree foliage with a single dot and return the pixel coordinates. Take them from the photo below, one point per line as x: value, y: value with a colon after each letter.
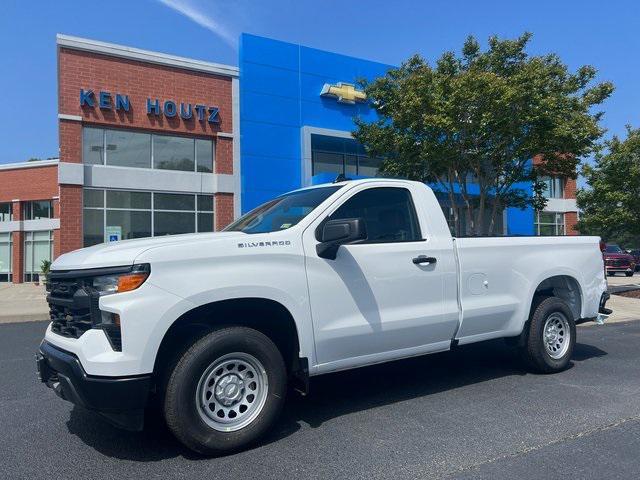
x: 610, y: 207
x: 472, y: 123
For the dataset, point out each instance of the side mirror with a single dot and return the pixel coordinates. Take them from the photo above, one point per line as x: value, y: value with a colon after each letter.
x: 334, y: 233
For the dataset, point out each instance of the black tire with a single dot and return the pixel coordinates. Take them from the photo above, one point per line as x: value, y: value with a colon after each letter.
x: 629, y: 274
x: 611, y: 274
x: 534, y: 350
x: 181, y: 410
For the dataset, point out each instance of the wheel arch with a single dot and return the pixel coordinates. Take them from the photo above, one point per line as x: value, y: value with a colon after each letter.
x: 563, y: 286
x: 266, y: 315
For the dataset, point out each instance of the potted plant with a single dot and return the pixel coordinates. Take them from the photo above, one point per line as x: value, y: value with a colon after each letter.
x: 45, y: 267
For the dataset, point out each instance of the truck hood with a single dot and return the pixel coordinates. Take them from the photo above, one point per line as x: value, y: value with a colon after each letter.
x: 125, y: 252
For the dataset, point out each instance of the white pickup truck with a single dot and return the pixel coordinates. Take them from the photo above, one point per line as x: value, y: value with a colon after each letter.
x: 213, y: 327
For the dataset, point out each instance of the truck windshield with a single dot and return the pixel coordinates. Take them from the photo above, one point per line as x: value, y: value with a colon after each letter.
x: 282, y: 212
x: 613, y: 249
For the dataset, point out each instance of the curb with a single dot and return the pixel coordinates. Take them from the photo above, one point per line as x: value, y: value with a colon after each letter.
x: 24, y: 317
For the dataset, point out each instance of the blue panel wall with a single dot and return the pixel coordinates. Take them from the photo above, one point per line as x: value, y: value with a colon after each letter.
x: 280, y: 86
x: 520, y: 222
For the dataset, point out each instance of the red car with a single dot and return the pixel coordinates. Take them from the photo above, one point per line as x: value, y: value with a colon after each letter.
x: 616, y: 260
x: 636, y: 257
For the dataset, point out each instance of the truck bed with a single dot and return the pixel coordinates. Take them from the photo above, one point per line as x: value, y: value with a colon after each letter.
x: 497, y: 273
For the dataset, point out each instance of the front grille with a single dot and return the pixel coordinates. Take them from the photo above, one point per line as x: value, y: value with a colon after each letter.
x: 70, y: 307
x: 74, y: 308
x: 617, y: 262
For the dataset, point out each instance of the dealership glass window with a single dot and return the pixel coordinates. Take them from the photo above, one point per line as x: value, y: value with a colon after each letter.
x: 132, y: 223
x: 143, y: 214
x: 128, y: 200
x: 341, y: 155
x: 549, y: 223
x: 93, y: 146
x: 125, y: 148
x: 6, y: 253
x: 93, y: 226
x: 173, y: 153
x: 6, y: 212
x: 37, y: 209
x: 204, y: 155
x: 38, y: 246
x: 128, y: 149
x: 205, y: 213
x: 554, y: 187
x: 174, y: 213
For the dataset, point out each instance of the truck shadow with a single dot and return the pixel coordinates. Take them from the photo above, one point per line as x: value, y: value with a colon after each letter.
x: 331, y: 396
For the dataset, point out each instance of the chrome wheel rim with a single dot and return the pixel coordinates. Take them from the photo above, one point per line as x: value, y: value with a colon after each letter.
x: 232, y: 392
x: 557, y: 335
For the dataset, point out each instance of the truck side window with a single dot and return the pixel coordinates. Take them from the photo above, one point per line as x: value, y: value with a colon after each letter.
x: 388, y: 212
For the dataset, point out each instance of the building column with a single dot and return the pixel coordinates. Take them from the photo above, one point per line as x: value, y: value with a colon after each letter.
x: 17, y: 260
x: 223, y: 206
x: 70, y: 211
x: 570, y: 218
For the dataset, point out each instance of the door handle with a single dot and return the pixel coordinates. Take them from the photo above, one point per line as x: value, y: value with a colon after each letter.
x: 424, y: 259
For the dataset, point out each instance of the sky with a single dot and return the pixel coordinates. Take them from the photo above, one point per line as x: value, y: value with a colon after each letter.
x: 602, y: 34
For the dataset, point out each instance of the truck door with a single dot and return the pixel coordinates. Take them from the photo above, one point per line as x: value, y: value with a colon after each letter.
x: 380, y: 299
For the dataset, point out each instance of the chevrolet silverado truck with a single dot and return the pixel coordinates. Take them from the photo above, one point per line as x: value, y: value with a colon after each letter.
x: 213, y: 328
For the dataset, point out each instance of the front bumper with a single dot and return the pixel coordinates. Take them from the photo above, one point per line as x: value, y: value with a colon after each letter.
x: 624, y: 267
x: 121, y: 400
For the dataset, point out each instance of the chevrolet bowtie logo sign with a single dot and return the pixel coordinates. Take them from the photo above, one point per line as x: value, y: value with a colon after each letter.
x: 344, y: 92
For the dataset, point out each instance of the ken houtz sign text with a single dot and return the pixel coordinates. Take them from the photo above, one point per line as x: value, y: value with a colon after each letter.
x: 168, y: 108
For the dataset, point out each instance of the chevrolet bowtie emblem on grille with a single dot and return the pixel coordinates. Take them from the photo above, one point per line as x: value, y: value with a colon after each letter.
x: 344, y: 92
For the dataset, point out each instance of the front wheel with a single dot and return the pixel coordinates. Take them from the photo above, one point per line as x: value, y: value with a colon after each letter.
x: 629, y: 274
x: 551, y: 336
x: 226, y: 391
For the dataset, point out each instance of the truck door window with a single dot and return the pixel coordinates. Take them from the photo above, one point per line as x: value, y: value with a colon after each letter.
x: 389, y: 214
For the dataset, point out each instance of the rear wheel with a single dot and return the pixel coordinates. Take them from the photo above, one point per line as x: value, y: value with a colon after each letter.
x: 551, y: 336
x: 629, y: 274
x: 225, y: 391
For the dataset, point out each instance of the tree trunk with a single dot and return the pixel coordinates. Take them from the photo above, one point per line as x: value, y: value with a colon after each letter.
x: 467, y: 202
x: 494, y: 211
x: 481, y: 204
x: 454, y: 205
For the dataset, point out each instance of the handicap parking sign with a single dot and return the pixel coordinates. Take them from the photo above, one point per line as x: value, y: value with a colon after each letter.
x: 113, y: 233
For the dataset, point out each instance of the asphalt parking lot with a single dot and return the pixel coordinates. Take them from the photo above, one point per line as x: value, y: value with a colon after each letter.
x: 472, y: 413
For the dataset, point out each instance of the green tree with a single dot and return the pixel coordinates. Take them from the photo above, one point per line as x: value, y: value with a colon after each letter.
x: 472, y: 124
x: 610, y: 206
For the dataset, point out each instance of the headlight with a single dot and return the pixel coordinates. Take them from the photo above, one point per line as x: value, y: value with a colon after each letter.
x: 122, y: 282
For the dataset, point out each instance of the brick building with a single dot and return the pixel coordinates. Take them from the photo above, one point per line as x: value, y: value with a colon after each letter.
x: 560, y: 215
x: 148, y: 146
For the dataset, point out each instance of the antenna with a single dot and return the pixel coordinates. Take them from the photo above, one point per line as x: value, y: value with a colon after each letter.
x: 341, y: 178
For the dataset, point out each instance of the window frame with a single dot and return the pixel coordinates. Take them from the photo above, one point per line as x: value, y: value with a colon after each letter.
x: 413, y: 216
x: 555, y: 186
x: 9, y: 245
x: 152, y: 210
x: 9, y: 213
x: 537, y: 223
x: 194, y: 140
x: 344, y: 154
x: 27, y: 207
x: 29, y: 241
